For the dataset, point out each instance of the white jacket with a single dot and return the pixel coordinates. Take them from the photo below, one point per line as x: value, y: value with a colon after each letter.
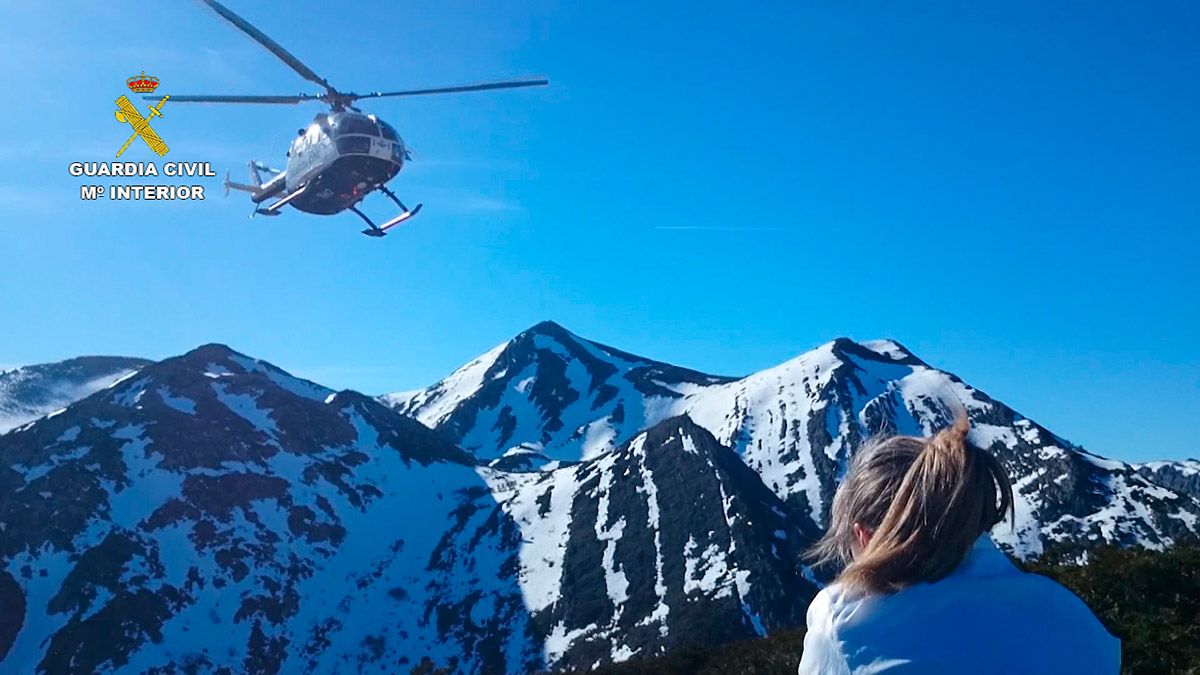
x: 985, y: 617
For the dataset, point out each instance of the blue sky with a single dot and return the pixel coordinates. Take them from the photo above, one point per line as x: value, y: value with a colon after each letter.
x: 1009, y: 189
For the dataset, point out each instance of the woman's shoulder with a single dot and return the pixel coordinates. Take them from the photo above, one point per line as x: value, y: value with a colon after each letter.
x: 1006, y: 591
x: 834, y: 605
x: 1052, y: 598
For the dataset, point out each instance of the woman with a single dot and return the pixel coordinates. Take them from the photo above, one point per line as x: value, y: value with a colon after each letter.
x: 925, y: 590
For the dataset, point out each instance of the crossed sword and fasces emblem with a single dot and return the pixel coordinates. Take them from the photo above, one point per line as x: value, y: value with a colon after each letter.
x: 126, y: 113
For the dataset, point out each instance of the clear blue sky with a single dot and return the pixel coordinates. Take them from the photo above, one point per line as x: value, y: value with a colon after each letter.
x: 1011, y: 190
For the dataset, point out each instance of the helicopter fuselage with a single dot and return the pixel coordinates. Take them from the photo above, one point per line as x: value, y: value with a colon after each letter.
x: 338, y: 159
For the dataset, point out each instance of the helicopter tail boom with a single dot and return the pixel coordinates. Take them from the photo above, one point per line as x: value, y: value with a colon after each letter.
x: 234, y: 185
x: 259, y: 191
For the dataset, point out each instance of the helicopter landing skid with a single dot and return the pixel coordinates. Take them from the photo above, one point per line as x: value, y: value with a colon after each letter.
x: 274, y: 208
x: 380, y: 230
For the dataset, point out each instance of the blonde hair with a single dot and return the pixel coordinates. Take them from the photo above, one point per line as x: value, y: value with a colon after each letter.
x: 927, y: 501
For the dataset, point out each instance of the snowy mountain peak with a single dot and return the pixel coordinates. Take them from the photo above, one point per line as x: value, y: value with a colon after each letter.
x: 1182, y: 476
x: 549, y: 328
x: 218, y: 361
x: 547, y: 386
x: 215, y: 350
x: 892, y: 350
x: 30, y: 392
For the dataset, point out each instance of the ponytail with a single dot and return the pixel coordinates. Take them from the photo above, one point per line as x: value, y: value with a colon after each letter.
x: 927, y: 502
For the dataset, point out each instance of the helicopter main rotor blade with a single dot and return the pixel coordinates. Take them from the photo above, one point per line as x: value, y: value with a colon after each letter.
x: 273, y: 46
x: 485, y: 86
x: 297, y: 98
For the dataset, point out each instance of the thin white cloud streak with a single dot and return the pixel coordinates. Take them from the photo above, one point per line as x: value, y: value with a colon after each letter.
x: 478, y: 204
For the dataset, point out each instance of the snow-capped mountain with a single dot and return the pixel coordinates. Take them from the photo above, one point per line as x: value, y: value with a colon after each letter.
x: 212, y: 513
x: 30, y: 392
x: 795, y: 424
x: 574, y: 505
x: 548, y: 389
x: 1181, y: 476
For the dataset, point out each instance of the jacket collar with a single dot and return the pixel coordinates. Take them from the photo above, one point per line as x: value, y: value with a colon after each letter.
x: 984, y: 559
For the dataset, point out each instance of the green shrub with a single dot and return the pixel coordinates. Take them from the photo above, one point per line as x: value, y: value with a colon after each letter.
x: 1149, y: 599
x: 777, y: 654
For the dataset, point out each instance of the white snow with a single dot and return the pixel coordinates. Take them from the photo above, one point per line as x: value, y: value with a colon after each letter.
x: 888, y: 348
x: 184, y: 405
x: 15, y: 413
x: 615, y: 581
x: 129, y: 395
x: 1106, y: 464
x: 544, y: 537
x: 246, y: 407
x: 707, y: 571
x: 216, y: 370
x: 294, y: 385
x: 650, y: 489
x: 69, y: 435
x: 1020, y: 532
x: 1184, y: 467
x: 148, y: 485
x: 1189, y: 519
x: 435, y: 403
x: 560, y: 640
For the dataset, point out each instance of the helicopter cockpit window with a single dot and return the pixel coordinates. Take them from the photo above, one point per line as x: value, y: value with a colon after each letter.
x: 388, y: 132
x: 354, y: 145
x: 356, y: 125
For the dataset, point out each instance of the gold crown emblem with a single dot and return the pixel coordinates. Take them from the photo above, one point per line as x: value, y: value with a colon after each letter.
x: 142, y: 84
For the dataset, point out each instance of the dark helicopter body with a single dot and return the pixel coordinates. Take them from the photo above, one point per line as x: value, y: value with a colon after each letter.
x: 337, y: 160
x: 342, y: 156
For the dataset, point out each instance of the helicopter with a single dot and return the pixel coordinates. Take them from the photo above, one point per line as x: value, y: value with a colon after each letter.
x: 342, y: 156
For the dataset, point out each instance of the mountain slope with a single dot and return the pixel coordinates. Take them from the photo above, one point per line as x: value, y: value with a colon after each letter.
x: 217, y: 512
x: 668, y: 540
x: 1182, y: 476
x: 796, y: 424
x: 30, y: 392
x: 214, y: 513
